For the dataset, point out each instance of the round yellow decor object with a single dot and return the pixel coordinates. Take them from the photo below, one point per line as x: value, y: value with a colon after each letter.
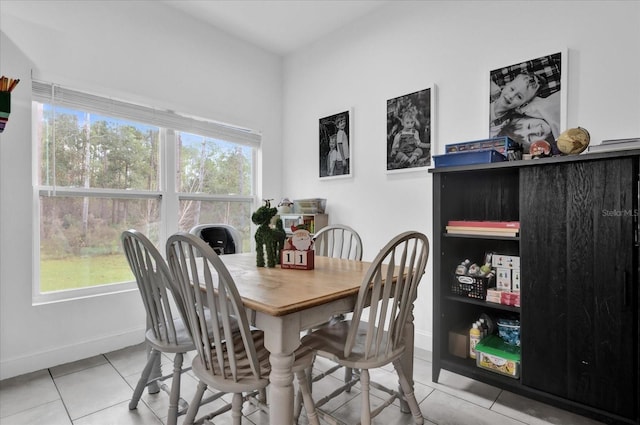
x: 573, y: 141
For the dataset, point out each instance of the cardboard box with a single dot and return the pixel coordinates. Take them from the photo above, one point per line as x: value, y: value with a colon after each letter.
x: 459, y: 343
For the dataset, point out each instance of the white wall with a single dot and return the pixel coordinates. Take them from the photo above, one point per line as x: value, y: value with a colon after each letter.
x: 407, y: 46
x: 131, y: 49
x: 136, y: 51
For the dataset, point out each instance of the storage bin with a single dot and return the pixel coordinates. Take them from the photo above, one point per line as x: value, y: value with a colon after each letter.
x: 471, y: 286
x: 309, y: 206
x: 501, y: 144
x: 509, y: 331
x: 493, y: 354
x: 468, y: 158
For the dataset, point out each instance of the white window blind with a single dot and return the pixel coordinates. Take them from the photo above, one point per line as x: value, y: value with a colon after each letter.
x: 57, y: 95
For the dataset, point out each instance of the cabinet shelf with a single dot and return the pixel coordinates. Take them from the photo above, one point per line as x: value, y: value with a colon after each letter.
x: 482, y: 303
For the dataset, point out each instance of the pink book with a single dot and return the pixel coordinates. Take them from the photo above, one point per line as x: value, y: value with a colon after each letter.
x: 489, y: 224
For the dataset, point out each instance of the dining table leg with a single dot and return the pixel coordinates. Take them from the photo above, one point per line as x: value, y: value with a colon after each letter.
x: 282, y: 337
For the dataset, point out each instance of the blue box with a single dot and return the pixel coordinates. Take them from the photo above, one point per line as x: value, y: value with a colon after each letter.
x: 502, y: 144
x: 468, y: 158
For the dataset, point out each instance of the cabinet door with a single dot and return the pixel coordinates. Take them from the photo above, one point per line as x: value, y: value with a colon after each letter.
x: 579, y: 332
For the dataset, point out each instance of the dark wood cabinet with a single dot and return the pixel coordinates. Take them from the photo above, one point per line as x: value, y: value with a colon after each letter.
x: 578, y: 247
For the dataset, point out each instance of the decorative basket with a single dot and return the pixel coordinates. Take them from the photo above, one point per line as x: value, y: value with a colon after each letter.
x: 471, y: 286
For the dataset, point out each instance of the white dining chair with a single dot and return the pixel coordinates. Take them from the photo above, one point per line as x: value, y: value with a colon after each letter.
x: 227, y: 361
x: 336, y: 241
x: 375, y: 339
x: 166, y: 330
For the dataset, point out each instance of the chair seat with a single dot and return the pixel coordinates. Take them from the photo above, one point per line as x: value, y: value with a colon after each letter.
x: 184, y: 342
x: 329, y: 342
x: 245, y: 380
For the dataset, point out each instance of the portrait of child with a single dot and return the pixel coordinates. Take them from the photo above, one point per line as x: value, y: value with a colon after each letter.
x: 525, y: 100
x: 335, y: 145
x: 409, y: 131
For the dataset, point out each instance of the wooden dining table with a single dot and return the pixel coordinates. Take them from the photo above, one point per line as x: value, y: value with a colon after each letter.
x: 285, y: 302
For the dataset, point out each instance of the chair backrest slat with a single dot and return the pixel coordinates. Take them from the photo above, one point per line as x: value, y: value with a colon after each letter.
x: 224, y: 338
x: 338, y: 241
x: 154, y: 283
x: 390, y: 300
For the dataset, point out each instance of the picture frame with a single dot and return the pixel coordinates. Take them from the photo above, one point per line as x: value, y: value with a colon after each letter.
x: 335, y: 161
x: 528, y: 100
x: 411, y: 131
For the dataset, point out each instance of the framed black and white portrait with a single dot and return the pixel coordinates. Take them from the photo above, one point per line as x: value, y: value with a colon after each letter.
x: 527, y: 100
x: 335, y: 146
x: 410, y: 131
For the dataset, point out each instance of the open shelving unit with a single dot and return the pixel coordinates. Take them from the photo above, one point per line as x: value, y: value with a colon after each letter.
x: 579, y: 267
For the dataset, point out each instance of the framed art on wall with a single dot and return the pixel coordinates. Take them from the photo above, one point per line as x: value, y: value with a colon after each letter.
x: 527, y: 100
x: 335, y: 142
x: 410, y: 131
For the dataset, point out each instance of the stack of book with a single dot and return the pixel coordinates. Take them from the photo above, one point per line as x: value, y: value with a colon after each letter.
x: 483, y: 228
x: 616, y: 145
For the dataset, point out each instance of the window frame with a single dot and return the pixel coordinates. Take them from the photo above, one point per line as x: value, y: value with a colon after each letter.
x: 169, y: 123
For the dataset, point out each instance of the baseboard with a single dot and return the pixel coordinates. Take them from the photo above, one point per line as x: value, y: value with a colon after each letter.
x: 60, y: 355
x: 423, y: 340
x: 85, y: 349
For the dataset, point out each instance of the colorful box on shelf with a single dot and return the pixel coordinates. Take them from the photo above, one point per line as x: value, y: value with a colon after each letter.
x: 493, y: 296
x: 510, y: 298
x: 493, y: 354
x: 515, y: 280
x: 497, y: 296
x: 501, y: 144
x: 468, y: 158
x: 505, y: 261
x: 483, y: 151
x: 503, y: 279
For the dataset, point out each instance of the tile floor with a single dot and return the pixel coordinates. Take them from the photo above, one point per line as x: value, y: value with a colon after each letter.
x: 96, y: 391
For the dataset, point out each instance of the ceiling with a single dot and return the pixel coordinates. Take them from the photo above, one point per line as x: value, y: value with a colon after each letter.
x: 279, y: 26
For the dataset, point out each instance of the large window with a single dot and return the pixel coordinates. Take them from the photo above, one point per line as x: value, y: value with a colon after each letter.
x: 104, y: 166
